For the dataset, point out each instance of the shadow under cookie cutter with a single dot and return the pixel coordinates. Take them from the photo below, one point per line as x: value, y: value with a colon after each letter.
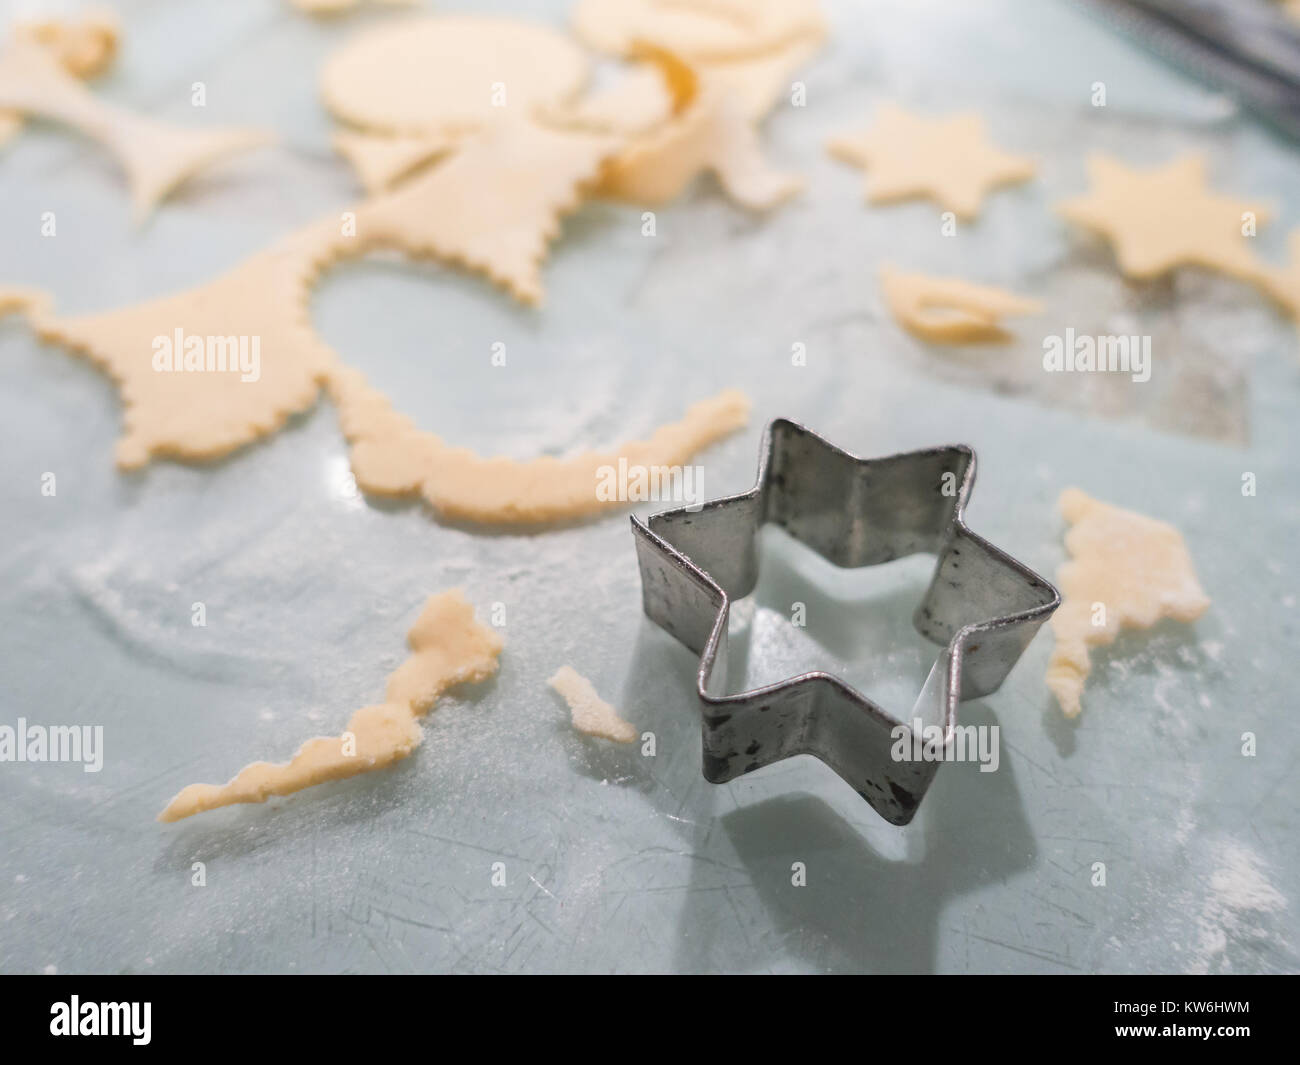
x: 982, y: 605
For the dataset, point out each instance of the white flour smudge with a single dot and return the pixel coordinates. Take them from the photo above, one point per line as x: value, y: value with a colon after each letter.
x: 1234, y: 911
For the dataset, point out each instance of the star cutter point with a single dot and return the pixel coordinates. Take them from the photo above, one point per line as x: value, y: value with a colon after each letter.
x: 982, y: 606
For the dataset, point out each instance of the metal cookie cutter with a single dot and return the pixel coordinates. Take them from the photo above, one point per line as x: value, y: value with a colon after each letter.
x: 982, y: 605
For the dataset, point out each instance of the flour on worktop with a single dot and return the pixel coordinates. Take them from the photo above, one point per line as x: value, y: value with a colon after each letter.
x: 1235, y: 913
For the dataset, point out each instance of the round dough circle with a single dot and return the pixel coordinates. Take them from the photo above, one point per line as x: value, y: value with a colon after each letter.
x: 437, y: 73
x: 715, y: 29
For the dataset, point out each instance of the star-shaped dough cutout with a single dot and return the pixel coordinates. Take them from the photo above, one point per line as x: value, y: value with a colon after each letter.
x: 950, y: 160
x: 1166, y: 217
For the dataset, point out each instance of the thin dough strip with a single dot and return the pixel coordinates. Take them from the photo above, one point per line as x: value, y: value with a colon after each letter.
x: 589, y: 713
x: 448, y: 647
x: 949, y: 310
x: 392, y: 457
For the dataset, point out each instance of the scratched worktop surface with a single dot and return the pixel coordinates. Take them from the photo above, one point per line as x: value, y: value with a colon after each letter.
x: 614, y: 860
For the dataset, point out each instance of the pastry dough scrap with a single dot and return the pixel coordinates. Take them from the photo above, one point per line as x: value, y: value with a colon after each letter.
x: 590, y: 714
x: 381, y: 162
x: 493, y: 206
x: 448, y: 647
x: 756, y: 83
x: 696, y: 29
x: 711, y: 126
x: 641, y: 101
x: 949, y: 160
x: 10, y: 123
x: 390, y: 456
x: 1137, y: 568
x: 1163, y: 218
x: 195, y: 415
x: 327, y: 8
x: 157, y: 156
x: 21, y: 300
x: 654, y: 89
x: 85, y: 48
x: 713, y: 135
x: 450, y: 74
x: 950, y: 310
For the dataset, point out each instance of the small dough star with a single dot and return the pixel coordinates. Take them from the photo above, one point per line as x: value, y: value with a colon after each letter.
x: 948, y: 159
x: 1165, y: 218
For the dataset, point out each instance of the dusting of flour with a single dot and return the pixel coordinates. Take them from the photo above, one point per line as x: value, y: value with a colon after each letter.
x: 1236, y: 908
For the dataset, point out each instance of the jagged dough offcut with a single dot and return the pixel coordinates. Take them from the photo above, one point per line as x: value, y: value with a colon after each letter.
x: 655, y: 87
x: 639, y: 101
x: 450, y: 74
x: 85, y: 48
x: 950, y: 310
x: 157, y: 156
x: 1165, y: 217
x: 391, y: 457
x: 448, y: 647
x: 329, y: 8
x: 494, y: 206
x: 949, y: 160
x: 756, y: 83
x: 712, y: 128
x: 381, y: 162
x: 1135, y: 567
x: 204, y: 415
x: 590, y: 714
x: 696, y: 29
x: 467, y: 210
x: 713, y: 135
x: 661, y: 85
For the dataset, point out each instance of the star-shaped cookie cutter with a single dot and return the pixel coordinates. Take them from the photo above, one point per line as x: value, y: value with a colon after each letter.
x: 982, y: 605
